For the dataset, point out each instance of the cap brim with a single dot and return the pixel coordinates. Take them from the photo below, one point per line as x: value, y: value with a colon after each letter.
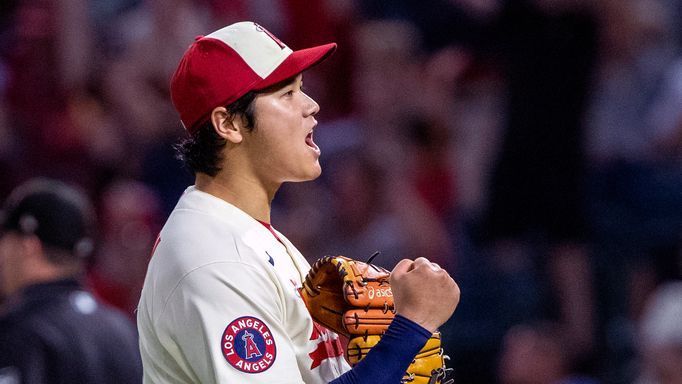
x: 296, y: 63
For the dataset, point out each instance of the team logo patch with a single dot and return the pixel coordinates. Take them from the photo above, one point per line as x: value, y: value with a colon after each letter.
x: 248, y: 345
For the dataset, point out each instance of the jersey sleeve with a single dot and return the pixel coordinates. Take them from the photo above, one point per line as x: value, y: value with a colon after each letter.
x: 387, y: 362
x: 224, y: 321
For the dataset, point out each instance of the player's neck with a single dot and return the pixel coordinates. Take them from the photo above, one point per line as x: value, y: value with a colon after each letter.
x: 247, y: 195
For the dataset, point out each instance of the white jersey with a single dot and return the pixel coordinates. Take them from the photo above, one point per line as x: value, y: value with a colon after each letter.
x: 220, y: 303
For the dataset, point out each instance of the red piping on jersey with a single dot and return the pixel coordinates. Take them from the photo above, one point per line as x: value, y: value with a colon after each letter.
x: 269, y: 227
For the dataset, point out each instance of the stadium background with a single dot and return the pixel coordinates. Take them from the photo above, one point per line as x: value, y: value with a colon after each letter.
x: 532, y: 147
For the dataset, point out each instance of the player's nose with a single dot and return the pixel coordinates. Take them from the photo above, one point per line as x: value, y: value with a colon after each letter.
x: 310, y: 106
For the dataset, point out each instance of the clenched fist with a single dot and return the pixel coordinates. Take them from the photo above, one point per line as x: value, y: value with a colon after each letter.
x: 424, y: 292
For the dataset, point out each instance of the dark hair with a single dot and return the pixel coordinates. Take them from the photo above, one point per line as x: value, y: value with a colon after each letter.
x: 201, y: 152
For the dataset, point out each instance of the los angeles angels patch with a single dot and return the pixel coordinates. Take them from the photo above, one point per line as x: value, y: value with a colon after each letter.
x: 248, y: 345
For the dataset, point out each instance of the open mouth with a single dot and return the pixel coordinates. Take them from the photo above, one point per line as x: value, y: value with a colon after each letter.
x: 309, y: 141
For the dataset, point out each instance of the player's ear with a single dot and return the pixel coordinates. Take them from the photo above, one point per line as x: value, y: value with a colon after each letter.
x: 228, y: 126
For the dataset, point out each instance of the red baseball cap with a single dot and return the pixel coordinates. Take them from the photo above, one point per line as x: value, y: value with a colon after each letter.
x: 221, y: 67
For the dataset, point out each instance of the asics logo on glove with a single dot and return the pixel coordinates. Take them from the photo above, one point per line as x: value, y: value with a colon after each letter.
x: 379, y: 292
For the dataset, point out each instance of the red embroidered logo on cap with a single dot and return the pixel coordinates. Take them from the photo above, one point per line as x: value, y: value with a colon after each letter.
x: 248, y: 345
x: 273, y: 37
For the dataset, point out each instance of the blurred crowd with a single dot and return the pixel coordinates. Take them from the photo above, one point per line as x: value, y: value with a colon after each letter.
x: 531, y: 147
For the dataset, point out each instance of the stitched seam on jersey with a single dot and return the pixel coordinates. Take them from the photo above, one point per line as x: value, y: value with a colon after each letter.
x: 165, y: 304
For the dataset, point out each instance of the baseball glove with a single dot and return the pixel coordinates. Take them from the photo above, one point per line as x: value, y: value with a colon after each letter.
x: 354, y: 299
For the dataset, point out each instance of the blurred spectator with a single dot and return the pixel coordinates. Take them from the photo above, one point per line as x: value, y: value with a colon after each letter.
x: 137, y: 86
x: 49, y: 66
x: 636, y: 175
x: 312, y: 23
x: 51, y: 329
x: 131, y: 219
x: 362, y: 221
x: 660, y: 336
x: 386, y: 70
x: 431, y: 174
x: 530, y: 258
x: 376, y: 206
x: 369, y: 213
x: 138, y: 80
x: 442, y: 22
x: 536, y: 354
x: 537, y: 200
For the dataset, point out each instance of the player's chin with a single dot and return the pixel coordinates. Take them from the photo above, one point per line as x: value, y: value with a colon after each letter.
x: 310, y: 173
x: 315, y: 172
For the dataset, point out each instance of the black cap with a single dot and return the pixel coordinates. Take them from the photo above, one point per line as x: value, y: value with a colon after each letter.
x: 59, y: 215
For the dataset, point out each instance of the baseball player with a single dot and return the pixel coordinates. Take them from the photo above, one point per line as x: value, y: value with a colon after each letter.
x: 220, y: 302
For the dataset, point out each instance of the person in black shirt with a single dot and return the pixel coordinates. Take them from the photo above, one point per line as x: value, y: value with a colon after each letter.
x: 51, y: 329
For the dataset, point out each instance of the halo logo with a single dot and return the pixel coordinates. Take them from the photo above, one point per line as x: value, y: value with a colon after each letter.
x: 248, y: 345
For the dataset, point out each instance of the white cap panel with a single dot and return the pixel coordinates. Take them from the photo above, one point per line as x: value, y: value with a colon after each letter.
x: 261, y: 50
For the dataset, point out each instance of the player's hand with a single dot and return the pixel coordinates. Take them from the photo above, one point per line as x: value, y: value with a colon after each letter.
x: 424, y: 292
